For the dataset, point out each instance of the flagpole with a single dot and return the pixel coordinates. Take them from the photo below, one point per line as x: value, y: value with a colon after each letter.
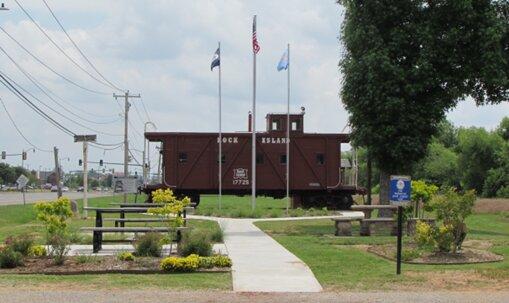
x: 220, y: 154
x: 288, y: 135
x: 253, y: 134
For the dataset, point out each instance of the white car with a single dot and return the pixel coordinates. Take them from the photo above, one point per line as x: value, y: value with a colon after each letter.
x: 65, y: 189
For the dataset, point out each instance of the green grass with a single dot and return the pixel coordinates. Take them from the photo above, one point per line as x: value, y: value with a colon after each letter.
x: 240, y: 207
x: 339, y: 265
x: 184, y: 281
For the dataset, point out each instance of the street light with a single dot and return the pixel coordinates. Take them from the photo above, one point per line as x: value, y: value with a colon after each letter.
x: 146, y: 146
x: 3, y: 8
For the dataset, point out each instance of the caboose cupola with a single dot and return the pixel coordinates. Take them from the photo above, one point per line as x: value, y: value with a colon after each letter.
x: 277, y: 123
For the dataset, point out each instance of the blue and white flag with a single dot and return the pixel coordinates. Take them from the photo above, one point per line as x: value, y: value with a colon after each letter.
x: 284, y: 62
x: 216, y: 60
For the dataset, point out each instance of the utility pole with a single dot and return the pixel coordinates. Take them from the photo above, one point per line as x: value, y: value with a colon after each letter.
x: 146, y: 153
x: 57, y: 172
x: 126, y: 129
x: 85, y: 139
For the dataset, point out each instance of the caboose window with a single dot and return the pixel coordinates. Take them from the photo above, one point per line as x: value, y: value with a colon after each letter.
x: 275, y: 124
x: 295, y: 125
x: 259, y: 158
x: 182, y: 157
x: 282, y: 159
x: 320, y: 159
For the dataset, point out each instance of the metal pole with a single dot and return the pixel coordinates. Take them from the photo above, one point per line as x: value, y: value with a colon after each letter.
x: 220, y: 155
x: 57, y: 172
x: 126, y: 140
x: 253, y: 136
x: 288, y: 136
x: 23, y: 167
x: 144, y: 168
x: 85, y: 179
x: 400, y: 234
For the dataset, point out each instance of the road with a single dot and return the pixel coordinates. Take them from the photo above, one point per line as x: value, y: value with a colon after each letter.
x: 12, y: 294
x: 10, y: 198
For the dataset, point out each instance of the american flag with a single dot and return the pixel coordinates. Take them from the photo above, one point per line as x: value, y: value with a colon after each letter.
x: 256, y: 47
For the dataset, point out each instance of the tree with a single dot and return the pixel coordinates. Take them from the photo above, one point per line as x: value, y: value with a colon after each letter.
x: 503, y: 129
x: 479, y: 151
x: 439, y: 166
x: 407, y: 62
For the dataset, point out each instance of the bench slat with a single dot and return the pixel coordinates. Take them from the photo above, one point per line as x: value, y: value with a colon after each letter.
x: 379, y: 220
x: 132, y: 229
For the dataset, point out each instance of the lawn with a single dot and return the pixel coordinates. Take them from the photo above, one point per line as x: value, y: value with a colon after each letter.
x: 342, y: 263
x: 240, y: 207
x: 182, y: 281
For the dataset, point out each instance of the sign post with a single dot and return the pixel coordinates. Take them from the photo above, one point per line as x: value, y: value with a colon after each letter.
x: 85, y: 139
x: 399, y: 194
x: 22, y: 182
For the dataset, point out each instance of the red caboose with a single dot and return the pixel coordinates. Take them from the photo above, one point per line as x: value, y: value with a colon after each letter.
x: 190, y: 163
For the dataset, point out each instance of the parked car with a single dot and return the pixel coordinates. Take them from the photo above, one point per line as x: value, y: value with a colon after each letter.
x: 65, y: 189
x: 80, y: 189
x: 54, y: 188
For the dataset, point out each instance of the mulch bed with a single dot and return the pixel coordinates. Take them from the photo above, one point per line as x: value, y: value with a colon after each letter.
x: 466, y: 256
x: 93, y: 265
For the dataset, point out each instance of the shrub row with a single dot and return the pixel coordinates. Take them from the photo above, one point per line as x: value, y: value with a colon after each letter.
x: 194, y: 262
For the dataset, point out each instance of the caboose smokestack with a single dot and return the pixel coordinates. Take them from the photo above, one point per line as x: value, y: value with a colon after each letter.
x: 249, y: 121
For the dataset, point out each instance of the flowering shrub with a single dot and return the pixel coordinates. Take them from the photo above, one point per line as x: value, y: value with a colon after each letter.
x: 125, y: 256
x: 37, y: 251
x: 187, y: 264
x: 424, y: 235
x: 54, y: 214
x: 173, y: 207
x: 193, y: 262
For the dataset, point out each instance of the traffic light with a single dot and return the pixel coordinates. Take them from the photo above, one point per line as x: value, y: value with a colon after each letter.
x: 80, y: 162
x: 101, y: 162
x: 4, y: 155
x: 24, y: 155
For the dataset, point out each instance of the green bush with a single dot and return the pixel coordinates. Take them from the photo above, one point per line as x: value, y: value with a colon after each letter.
x: 216, y: 235
x: 59, y: 247
x: 125, y: 256
x: 10, y: 258
x: 148, y: 245
x: 37, y: 251
x: 82, y: 259
x: 503, y: 192
x: 195, y: 242
x: 187, y: 264
x: 424, y: 235
x: 215, y: 261
x: 409, y: 254
x: 21, y: 243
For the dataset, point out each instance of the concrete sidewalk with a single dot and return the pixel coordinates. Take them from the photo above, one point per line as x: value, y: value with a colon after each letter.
x: 260, y: 264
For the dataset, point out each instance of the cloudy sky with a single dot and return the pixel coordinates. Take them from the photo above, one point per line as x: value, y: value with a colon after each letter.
x: 162, y: 49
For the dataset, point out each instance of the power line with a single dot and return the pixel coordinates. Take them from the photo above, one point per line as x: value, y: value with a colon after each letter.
x: 50, y: 68
x: 40, y: 87
x: 55, y: 111
x: 79, y: 50
x: 20, y: 132
x: 59, y: 48
x: 39, y: 111
x: 145, y: 109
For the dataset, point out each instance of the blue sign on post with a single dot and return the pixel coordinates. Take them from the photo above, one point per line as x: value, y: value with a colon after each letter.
x: 400, y: 189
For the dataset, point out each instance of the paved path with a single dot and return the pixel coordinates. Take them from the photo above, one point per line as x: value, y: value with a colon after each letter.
x: 14, y: 294
x: 9, y: 198
x: 260, y: 264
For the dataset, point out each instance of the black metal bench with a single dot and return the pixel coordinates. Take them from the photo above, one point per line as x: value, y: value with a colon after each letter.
x: 98, y: 233
x: 134, y: 220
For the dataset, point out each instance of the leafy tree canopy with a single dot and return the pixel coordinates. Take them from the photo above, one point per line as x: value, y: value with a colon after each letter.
x: 407, y: 62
